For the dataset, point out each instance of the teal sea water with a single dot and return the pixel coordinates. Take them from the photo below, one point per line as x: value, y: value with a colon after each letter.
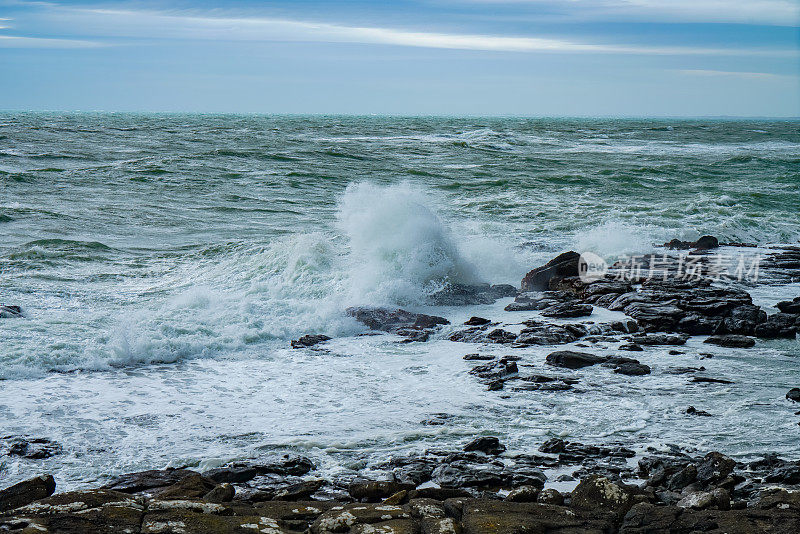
x: 165, y: 261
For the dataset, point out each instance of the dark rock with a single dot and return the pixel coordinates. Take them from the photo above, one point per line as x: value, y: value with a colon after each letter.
x: 33, y: 448
x: 146, y: 481
x: 285, y: 465
x: 476, y: 321
x: 573, y: 360
x: 537, y: 333
x: 221, y: 493
x: 568, y: 309
x: 691, y: 410
x: 466, y: 294
x: 714, y: 468
x: 192, y: 486
x: 499, y: 369
x: 488, y: 444
x: 391, y: 319
x: 563, y: 265
x: 793, y: 394
x: 661, y: 339
x: 597, y: 492
x: 300, y: 491
x: 376, y: 491
x: 501, y: 336
x: 627, y: 326
x: 8, y: 312
x: 412, y: 335
x: 780, y: 325
x: 790, y: 307
x: 631, y: 347
x: 743, y: 320
x: 308, y: 341
x: 523, y: 494
x: 633, y: 369
x: 732, y: 341
x: 704, y: 243
x: 539, y: 300
x: 26, y: 492
x: 550, y: 496
x: 479, y: 357
x: 708, y: 380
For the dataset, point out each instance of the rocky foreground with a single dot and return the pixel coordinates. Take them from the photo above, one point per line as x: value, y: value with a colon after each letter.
x: 481, y: 489
x: 485, y: 488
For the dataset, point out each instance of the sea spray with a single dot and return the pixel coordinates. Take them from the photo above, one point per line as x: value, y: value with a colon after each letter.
x: 400, y: 250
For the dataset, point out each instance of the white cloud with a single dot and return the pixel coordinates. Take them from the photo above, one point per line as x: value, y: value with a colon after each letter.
x: 732, y: 74
x: 170, y: 25
x: 769, y: 12
x: 13, y: 41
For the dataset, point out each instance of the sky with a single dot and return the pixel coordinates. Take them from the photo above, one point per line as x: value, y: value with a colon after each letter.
x: 424, y: 57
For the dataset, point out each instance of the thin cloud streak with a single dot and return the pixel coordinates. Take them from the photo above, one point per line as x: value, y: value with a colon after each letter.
x: 161, y: 25
x: 767, y: 12
x: 734, y: 74
x: 14, y: 41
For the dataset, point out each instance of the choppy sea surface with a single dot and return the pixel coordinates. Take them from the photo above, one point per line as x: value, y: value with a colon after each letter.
x: 165, y: 261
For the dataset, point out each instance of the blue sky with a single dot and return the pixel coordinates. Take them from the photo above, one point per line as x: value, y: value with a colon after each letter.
x: 474, y: 57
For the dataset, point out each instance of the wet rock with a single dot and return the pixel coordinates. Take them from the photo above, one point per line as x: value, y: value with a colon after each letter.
x: 731, y: 341
x: 239, y: 472
x: 791, y: 307
x: 391, y: 319
x: 148, y: 481
x: 780, y: 325
x: 221, y: 493
x: 466, y: 294
x: 660, y: 339
x: 562, y: 266
x: 376, y: 491
x: 8, y: 312
x: 691, y: 410
x: 632, y: 369
x: 537, y: 333
x: 714, y: 468
x: 573, y: 360
x: 501, y: 336
x: 33, y: 448
x: 702, y: 500
x: 550, y: 496
x: 499, y: 369
x: 597, y: 492
x: 788, y: 473
x: 633, y: 347
x: 478, y: 357
x: 412, y: 335
x: 568, y: 309
x: 706, y: 242
x: 26, y: 492
x: 300, y: 491
x: 523, y: 494
x: 743, y: 320
x: 476, y: 321
x: 192, y: 486
x: 793, y: 394
x: 709, y: 380
x: 308, y: 341
x: 487, y: 444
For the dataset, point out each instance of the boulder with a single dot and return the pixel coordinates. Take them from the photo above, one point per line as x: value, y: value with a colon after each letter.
x: 193, y: 486
x: 33, y: 448
x: 148, y: 481
x: 731, y: 341
x: 793, y: 394
x: 8, y: 312
x: 523, y: 494
x: 573, y: 360
x: 598, y: 492
x: 550, y: 496
x: 221, y: 493
x: 562, y: 266
x: 376, y: 490
x: 308, y: 341
x: 632, y: 369
x: 568, y: 309
x: 300, y: 491
x: 714, y: 468
x: 706, y: 242
x: 486, y: 444
x: 660, y: 339
x: 390, y: 319
x: 791, y: 307
x: 779, y: 325
x: 26, y: 492
x: 476, y: 321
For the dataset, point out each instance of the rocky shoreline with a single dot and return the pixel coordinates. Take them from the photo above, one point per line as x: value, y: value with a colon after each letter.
x: 484, y: 487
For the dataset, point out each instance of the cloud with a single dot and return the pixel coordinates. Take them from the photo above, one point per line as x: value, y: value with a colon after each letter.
x: 733, y: 74
x: 13, y: 41
x: 769, y: 12
x: 192, y: 26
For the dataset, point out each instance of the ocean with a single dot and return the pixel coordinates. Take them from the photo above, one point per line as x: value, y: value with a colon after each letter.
x: 165, y: 261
